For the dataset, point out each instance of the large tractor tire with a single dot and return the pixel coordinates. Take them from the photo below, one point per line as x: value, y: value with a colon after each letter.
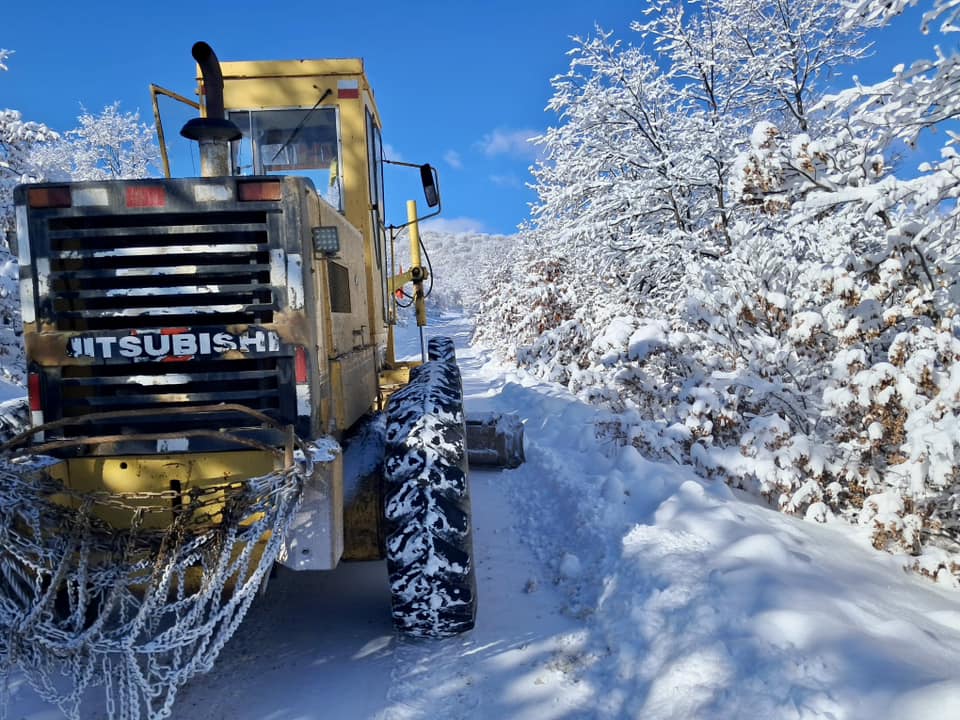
x: 429, y: 544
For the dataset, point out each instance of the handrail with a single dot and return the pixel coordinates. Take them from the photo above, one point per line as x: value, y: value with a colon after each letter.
x: 156, y: 90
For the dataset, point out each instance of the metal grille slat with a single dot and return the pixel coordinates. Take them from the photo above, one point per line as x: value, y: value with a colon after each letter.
x: 172, y: 271
x: 178, y: 290
x: 166, y: 379
x: 251, y: 398
x: 141, y: 271
x: 151, y: 231
x: 160, y: 313
x: 147, y: 251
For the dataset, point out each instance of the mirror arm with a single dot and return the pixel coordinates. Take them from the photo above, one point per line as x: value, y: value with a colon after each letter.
x: 436, y: 185
x: 399, y: 162
x: 421, y: 218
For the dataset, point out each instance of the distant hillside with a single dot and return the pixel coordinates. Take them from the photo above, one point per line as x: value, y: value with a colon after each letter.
x: 463, y: 265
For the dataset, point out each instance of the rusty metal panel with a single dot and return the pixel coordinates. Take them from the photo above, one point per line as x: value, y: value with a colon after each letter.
x: 355, y: 385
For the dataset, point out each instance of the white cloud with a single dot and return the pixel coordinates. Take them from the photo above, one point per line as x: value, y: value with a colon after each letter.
x: 452, y: 158
x: 508, y: 181
x: 455, y: 225
x: 510, y: 142
x: 390, y: 153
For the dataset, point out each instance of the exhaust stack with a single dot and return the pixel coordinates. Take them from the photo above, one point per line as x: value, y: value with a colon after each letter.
x: 214, y: 132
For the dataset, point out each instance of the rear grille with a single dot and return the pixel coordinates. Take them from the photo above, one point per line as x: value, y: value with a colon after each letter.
x: 149, y: 270
x: 150, y: 387
x: 205, y: 272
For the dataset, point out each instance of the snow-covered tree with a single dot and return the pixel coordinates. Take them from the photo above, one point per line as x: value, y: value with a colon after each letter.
x: 18, y: 137
x: 736, y: 267
x: 110, y: 145
x: 639, y: 178
x: 875, y: 307
x: 635, y: 182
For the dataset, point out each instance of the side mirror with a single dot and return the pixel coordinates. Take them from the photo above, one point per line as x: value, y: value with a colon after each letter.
x: 429, y: 180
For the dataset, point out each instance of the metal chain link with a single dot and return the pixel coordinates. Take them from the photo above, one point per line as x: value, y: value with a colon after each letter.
x: 139, y: 610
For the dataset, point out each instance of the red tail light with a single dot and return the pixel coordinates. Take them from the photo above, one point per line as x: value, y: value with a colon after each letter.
x: 49, y: 197
x: 259, y: 190
x: 300, y: 365
x: 33, y: 392
x: 142, y: 196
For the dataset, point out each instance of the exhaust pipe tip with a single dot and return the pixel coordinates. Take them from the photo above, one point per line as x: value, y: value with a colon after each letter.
x: 214, y: 131
x: 212, y: 77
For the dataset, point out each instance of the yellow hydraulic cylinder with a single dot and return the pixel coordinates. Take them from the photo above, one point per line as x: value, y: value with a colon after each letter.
x: 414, y: 233
x: 418, y: 299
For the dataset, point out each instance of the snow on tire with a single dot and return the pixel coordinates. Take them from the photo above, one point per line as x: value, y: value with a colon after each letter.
x: 427, y: 504
x: 14, y: 418
x: 441, y: 348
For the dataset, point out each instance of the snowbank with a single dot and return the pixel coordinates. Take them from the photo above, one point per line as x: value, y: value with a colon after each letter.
x: 699, y: 602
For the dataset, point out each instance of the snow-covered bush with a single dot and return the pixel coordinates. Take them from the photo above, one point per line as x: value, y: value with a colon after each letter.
x: 743, y: 277
x: 538, y: 301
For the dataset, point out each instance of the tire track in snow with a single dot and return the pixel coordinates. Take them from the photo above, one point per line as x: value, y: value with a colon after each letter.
x: 522, y: 660
x: 517, y: 662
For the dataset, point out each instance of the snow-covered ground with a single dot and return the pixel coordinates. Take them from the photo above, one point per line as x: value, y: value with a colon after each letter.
x: 610, y: 587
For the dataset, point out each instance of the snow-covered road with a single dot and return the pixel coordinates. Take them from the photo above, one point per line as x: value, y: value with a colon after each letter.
x: 610, y: 587
x: 320, y: 645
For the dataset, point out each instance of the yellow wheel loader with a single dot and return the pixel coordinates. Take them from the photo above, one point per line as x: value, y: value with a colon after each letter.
x: 213, y: 390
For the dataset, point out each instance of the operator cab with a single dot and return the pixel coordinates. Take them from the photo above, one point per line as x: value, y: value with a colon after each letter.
x: 294, y: 141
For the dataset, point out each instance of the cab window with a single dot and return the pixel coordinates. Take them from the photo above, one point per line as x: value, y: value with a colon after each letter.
x: 291, y: 142
x: 375, y: 168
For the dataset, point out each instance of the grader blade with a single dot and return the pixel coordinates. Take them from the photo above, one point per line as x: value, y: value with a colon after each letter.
x: 495, y: 440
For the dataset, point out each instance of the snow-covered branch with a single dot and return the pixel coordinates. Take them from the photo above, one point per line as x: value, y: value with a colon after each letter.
x: 111, y: 145
x: 947, y: 11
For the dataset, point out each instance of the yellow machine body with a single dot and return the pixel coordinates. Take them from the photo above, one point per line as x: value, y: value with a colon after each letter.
x: 287, y: 243
x: 341, y: 85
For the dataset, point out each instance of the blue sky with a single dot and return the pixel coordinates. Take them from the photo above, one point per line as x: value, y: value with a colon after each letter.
x: 459, y: 84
